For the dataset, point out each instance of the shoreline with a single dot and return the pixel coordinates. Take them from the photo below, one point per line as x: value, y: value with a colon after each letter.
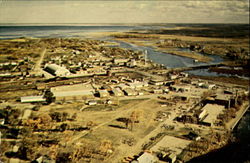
x: 239, y: 114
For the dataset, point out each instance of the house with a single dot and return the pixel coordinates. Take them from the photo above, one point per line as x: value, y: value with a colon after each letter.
x: 32, y: 99
x: 122, y: 86
x: 208, y: 86
x: 120, y: 61
x: 92, y: 102
x: 173, y: 76
x: 57, y: 70
x: 117, y: 92
x: 103, y: 93
x: 146, y: 158
x: 156, y: 82
x: 129, y: 92
x: 138, y: 84
x: 157, y: 91
x: 180, y: 88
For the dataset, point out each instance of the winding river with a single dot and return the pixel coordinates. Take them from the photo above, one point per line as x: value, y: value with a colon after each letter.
x: 172, y: 61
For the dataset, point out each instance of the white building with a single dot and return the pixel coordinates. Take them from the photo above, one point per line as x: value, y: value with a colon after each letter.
x: 57, y: 70
x: 30, y: 99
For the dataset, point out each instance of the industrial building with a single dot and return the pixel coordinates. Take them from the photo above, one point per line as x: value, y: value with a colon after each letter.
x: 72, y: 92
x: 57, y: 70
x: 212, y: 111
x: 32, y: 99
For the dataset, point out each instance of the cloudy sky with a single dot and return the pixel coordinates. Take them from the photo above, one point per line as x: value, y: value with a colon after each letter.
x: 122, y: 11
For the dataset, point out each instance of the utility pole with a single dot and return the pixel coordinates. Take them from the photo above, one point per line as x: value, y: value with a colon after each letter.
x: 145, y: 56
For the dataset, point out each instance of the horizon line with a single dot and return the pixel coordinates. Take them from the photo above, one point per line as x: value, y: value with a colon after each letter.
x: 114, y: 23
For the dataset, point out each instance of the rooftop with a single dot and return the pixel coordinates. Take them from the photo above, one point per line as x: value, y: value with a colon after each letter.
x: 213, y: 111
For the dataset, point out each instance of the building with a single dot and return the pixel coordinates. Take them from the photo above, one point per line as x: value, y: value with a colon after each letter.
x: 103, y: 93
x: 171, y: 158
x: 223, y: 99
x: 157, y: 91
x: 208, y: 86
x: 180, y: 88
x: 117, y: 92
x: 175, y: 144
x: 129, y: 92
x: 73, y: 95
x: 57, y: 70
x: 201, y: 114
x: 73, y: 92
x: 119, y: 61
x: 213, y: 110
x: 122, y: 86
x: 92, y: 102
x: 156, y: 82
x: 146, y: 158
x: 138, y: 84
x: 32, y: 99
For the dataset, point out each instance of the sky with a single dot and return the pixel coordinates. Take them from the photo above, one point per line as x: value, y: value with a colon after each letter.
x: 122, y: 11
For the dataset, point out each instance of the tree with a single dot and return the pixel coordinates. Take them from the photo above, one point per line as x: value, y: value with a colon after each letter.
x: 49, y: 96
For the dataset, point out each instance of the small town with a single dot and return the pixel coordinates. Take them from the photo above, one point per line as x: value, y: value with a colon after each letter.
x: 86, y: 100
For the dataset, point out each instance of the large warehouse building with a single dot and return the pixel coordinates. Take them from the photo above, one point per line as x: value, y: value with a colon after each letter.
x: 56, y: 70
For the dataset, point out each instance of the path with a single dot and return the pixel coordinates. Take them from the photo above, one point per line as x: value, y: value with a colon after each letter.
x: 120, y: 114
x: 39, y: 62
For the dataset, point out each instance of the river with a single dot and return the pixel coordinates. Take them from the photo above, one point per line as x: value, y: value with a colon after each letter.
x: 172, y: 61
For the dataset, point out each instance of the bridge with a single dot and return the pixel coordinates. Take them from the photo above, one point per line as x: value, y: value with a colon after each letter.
x: 195, y: 67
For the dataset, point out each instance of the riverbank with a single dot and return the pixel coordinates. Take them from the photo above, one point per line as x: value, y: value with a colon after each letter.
x: 222, y: 80
x: 173, y: 51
